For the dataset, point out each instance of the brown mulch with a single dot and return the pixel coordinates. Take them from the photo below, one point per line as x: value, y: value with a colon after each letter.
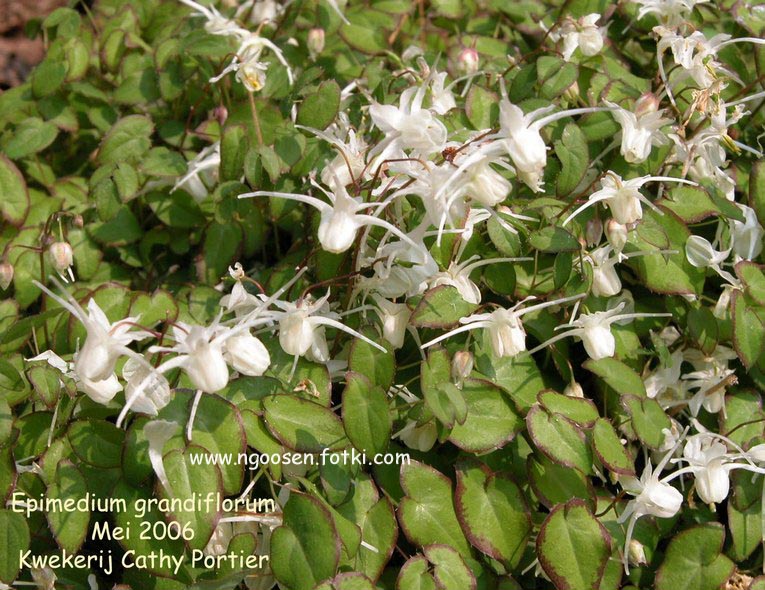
x: 18, y: 55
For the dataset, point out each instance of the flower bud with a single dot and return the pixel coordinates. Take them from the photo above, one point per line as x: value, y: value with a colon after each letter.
x: 78, y: 222
x: 315, y: 41
x: 573, y: 389
x: 62, y: 258
x: 6, y: 275
x: 616, y: 233
x: 593, y: 232
x: 247, y: 355
x: 636, y: 553
x: 468, y: 61
x: 647, y: 103
x: 220, y: 114
x: 571, y: 94
x: 462, y: 366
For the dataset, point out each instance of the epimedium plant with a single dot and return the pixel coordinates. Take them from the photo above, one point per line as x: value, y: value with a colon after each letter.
x: 516, y: 246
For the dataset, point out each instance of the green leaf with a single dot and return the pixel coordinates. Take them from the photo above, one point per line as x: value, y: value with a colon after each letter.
x: 189, y: 482
x: 221, y: 244
x: 554, y: 484
x: 306, y: 548
x: 574, y: 156
x: 426, y: 513
x: 554, y: 239
x: 757, y: 189
x: 441, y: 307
x: 648, y: 419
x: 320, y: 108
x: 748, y: 330
x: 559, y: 439
x: 691, y: 204
x: 753, y: 277
x: 14, y: 541
x: 160, y: 161
x: 415, y: 575
x: 493, y: 512
x: 375, y: 518
x: 31, y: 136
x: 69, y: 527
x: 609, y: 449
x: 48, y: 77
x: 580, y: 410
x: 121, y: 230
x: 233, y: 149
x: 449, y: 568
x: 46, y: 383
x: 97, y: 442
x: 127, y: 140
x: 481, y: 107
x: 303, y: 425
x: 176, y: 209
x: 620, y: 377
x: 694, y: 561
x: 555, y: 75
x: 365, y: 414
x: 366, y: 359
x: 491, y: 422
x: 569, y: 532
x: 670, y: 274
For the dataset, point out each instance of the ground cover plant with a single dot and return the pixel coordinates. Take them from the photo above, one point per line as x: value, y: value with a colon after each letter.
x: 455, y: 294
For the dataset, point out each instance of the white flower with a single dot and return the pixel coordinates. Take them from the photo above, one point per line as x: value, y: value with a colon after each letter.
x: 202, y: 173
x: 301, y: 327
x: 641, y: 131
x: 408, y: 126
x: 247, y: 64
x: 623, y: 197
x: 153, y: 396
x: 653, y: 496
x: 520, y: 136
x: 701, y: 254
x: 594, y: 329
x: 747, y: 235
x: 104, y: 343
x: 201, y: 350
x: 605, y: 279
x: 340, y: 220
x: 395, y: 319
x: 458, y: 276
x: 580, y: 33
x: 668, y: 11
x: 503, y: 326
x: 419, y: 437
x: 485, y: 185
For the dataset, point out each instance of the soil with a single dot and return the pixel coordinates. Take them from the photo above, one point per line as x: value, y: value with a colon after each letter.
x: 19, y: 54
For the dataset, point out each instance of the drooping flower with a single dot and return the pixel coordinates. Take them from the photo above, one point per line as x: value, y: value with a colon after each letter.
x: 623, y: 197
x: 581, y: 33
x: 641, y: 130
x: 594, y: 330
x: 105, y: 343
x: 340, y: 220
x: 504, y: 328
